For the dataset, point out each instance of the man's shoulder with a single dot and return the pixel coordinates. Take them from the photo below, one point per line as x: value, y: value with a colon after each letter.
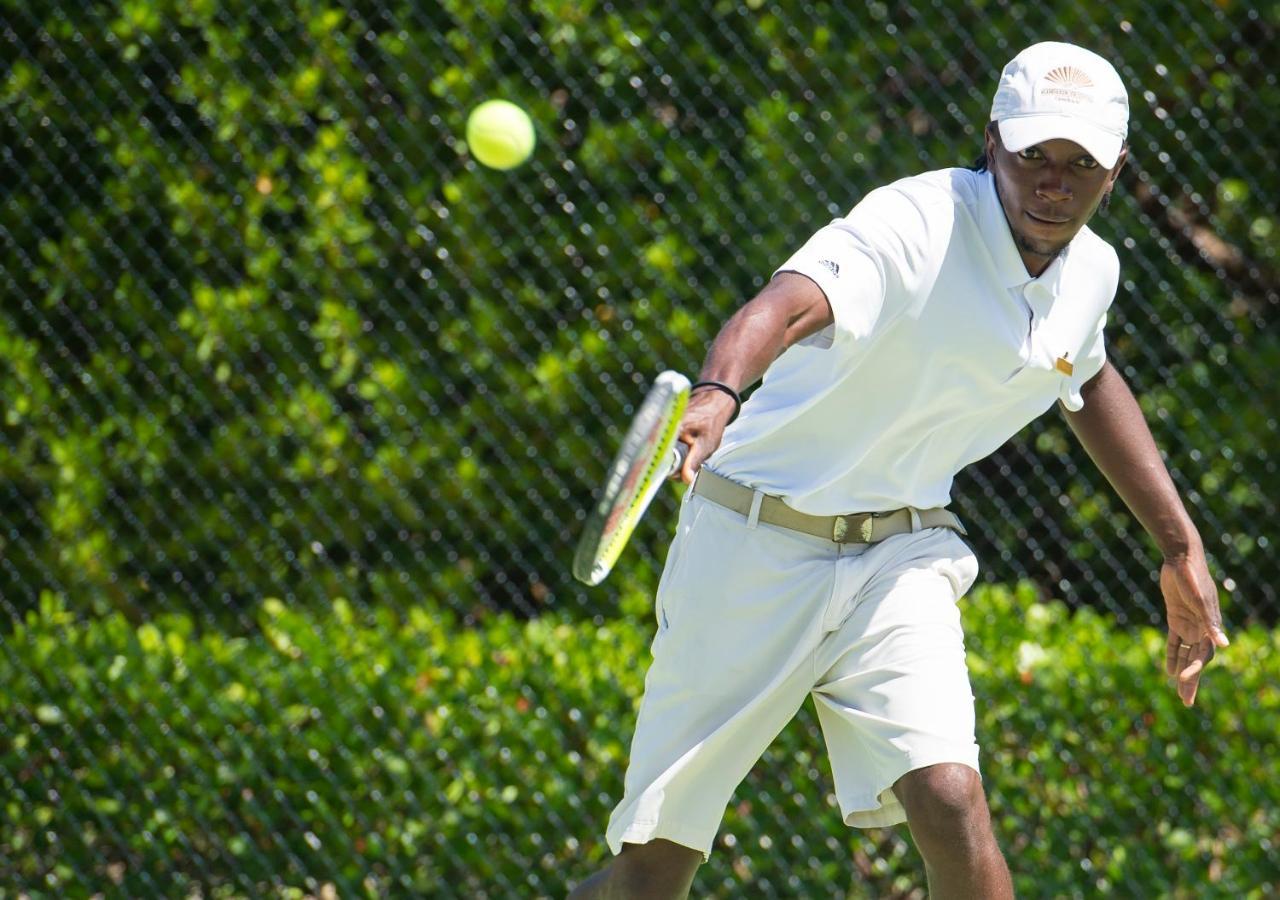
x: 1097, y: 254
x: 1089, y: 241
x: 922, y: 203
x: 939, y: 186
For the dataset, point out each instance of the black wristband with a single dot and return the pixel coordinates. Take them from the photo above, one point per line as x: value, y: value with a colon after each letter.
x: 721, y: 386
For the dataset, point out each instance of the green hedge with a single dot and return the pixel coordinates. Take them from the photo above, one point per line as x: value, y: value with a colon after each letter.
x: 387, y: 755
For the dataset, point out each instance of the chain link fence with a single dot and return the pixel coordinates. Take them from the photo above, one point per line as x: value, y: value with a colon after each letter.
x: 283, y: 367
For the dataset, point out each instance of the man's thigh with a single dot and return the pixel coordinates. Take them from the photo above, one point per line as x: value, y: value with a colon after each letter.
x: 739, y: 612
x: 894, y: 693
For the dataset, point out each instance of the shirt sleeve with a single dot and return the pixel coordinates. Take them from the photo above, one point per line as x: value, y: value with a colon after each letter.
x: 1105, y: 266
x: 1089, y: 363
x: 877, y: 261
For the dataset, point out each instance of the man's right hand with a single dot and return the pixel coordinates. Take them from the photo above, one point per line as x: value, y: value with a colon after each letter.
x: 702, y: 427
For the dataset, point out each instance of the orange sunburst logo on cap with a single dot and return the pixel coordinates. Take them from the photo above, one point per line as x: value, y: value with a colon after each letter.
x: 1069, y: 77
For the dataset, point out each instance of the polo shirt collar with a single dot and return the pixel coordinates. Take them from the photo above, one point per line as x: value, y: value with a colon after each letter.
x: 999, y: 240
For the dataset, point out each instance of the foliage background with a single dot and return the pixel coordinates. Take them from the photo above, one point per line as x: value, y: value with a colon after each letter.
x: 269, y: 331
x: 354, y: 752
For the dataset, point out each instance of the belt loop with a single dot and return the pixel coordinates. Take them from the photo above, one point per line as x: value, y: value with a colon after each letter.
x: 753, y: 518
x: 915, y: 518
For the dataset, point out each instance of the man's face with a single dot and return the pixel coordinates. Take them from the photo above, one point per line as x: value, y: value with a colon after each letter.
x: 1048, y: 191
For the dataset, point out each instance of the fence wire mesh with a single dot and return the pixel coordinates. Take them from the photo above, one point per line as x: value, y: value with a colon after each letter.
x: 284, y: 368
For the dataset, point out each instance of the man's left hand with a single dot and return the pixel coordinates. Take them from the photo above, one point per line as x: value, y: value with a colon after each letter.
x: 1195, y: 623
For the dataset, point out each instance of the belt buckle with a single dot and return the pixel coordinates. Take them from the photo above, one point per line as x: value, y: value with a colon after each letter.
x: 862, y: 524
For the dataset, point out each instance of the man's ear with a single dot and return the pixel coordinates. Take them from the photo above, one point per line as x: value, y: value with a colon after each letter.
x: 1120, y: 161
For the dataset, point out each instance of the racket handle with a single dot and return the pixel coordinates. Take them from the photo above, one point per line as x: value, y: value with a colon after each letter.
x: 678, y: 453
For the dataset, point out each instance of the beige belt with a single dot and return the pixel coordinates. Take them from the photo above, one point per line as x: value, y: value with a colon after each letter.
x: 858, y: 528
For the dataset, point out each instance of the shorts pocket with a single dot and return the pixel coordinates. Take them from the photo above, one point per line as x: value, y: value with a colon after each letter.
x: 665, y: 599
x: 960, y: 567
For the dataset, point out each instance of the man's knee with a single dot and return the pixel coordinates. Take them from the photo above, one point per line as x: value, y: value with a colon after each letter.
x: 662, y: 853
x: 659, y: 868
x: 945, y: 802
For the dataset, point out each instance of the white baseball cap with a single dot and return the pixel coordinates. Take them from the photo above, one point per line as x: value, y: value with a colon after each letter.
x: 1053, y: 90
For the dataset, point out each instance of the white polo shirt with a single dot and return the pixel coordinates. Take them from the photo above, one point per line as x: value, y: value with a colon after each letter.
x: 943, y: 348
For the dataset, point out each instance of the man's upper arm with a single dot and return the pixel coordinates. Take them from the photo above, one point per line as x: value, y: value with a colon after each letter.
x: 1087, y: 391
x: 879, y: 259
x: 808, y: 309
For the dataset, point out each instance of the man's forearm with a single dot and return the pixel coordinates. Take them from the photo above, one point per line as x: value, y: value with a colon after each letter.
x: 745, y: 346
x: 1113, y: 431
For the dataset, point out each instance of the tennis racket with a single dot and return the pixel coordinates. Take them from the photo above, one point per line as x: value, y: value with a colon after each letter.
x: 649, y: 455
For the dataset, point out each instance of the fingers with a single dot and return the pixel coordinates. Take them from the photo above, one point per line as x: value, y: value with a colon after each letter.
x: 1218, y: 636
x: 692, y: 462
x: 1187, y: 663
x: 703, y: 426
x: 700, y: 447
x: 1195, y: 623
x: 1189, y: 683
x: 1178, y: 655
x: 1192, y: 587
x: 1211, y: 614
x: 1171, y: 654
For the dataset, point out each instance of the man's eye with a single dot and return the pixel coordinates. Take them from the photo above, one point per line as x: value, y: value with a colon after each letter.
x: 1087, y: 162
x: 1030, y: 153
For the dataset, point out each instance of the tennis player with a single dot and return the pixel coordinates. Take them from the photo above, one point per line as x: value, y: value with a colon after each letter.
x: 814, y: 552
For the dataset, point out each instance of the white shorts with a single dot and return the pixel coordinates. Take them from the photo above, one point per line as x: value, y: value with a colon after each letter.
x: 753, y: 620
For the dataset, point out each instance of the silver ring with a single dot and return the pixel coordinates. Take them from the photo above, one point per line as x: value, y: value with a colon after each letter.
x: 1182, y: 646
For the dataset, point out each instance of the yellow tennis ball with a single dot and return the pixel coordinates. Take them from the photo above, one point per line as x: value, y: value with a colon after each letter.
x: 500, y: 134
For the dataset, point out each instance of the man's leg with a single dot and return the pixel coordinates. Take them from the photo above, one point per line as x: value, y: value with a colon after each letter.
x: 739, y: 613
x: 897, y: 711
x: 948, y: 816
x: 658, y: 870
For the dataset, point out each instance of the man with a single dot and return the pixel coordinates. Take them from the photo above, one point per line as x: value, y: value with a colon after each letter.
x: 901, y: 343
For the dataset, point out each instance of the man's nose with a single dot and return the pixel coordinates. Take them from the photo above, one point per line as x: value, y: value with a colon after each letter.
x: 1054, y: 190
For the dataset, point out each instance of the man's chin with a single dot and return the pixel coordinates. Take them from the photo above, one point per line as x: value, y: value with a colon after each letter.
x: 1043, y: 249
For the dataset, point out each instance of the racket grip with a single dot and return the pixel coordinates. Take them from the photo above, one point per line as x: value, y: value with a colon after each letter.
x: 678, y: 453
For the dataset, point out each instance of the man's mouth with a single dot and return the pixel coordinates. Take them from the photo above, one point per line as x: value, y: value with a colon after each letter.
x: 1047, y: 219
